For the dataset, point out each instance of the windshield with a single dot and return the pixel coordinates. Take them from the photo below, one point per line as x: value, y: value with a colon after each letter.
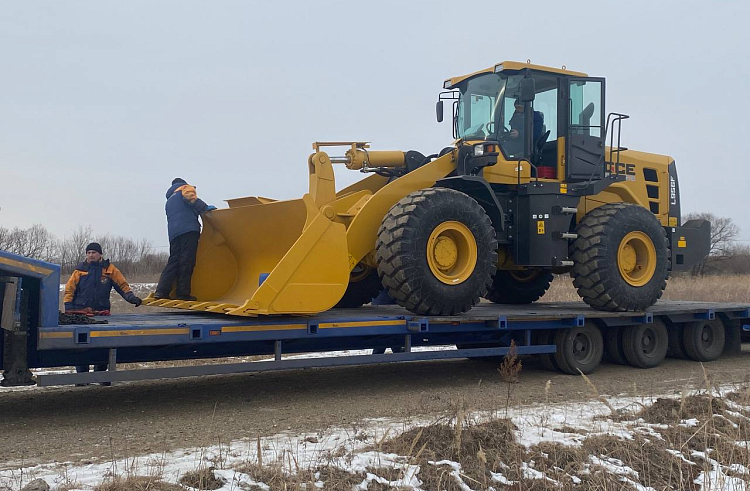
x: 484, y: 105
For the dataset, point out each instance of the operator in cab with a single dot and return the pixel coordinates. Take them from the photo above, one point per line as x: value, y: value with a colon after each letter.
x: 514, y: 146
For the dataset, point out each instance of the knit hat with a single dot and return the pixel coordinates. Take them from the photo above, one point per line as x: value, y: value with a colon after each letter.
x: 178, y: 180
x: 94, y: 246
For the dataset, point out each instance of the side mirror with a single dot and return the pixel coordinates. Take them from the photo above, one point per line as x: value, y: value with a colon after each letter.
x: 439, y: 111
x: 528, y: 89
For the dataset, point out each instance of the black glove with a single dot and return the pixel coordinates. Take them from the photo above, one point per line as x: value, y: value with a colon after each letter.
x: 131, y: 298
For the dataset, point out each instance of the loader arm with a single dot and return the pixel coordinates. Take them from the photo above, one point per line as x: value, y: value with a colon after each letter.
x: 263, y: 257
x: 363, y: 231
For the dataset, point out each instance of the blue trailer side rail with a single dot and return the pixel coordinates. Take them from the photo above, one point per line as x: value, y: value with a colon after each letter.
x: 487, y: 330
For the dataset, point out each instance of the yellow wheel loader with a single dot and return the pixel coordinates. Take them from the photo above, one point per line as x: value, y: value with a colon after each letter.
x: 535, y: 183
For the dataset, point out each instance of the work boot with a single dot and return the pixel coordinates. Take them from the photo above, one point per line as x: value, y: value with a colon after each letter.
x: 161, y: 296
x: 188, y: 298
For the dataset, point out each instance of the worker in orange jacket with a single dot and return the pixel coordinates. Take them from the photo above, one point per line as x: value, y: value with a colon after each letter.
x: 89, y: 287
x: 92, y: 281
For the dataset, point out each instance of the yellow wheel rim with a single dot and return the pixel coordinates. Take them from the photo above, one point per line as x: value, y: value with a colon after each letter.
x: 524, y: 275
x: 452, y: 252
x: 359, y: 273
x: 636, y: 258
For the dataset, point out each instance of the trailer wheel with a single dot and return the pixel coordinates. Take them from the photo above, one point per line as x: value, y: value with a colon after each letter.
x: 620, y: 258
x: 579, y: 348
x: 676, y: 344
x: 436, y: 252
x: 613, y: 345
x: 704, y: 340
x: 645, y: 345
x: 519, y: 287
x: 364, y: 285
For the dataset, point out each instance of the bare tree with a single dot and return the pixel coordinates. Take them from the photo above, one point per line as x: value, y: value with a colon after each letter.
x: 129, y: 255
x: 724, y: 232
x: 34, y: 242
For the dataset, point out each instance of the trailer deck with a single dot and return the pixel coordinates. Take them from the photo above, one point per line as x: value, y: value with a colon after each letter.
x: 487, y: 330
x: 159, y: 329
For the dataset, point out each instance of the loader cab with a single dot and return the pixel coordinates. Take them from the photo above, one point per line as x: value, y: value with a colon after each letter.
x: 566, y: 139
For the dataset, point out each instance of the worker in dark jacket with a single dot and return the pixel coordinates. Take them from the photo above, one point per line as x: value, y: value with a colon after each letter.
x: 183, y: 209
x: 89, y: 287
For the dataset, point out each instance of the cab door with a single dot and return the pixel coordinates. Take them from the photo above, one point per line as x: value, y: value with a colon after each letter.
x: 585, y: 129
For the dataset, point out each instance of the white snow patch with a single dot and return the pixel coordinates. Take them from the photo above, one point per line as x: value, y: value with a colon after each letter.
x: 716, y: 479
x: 345, y: 448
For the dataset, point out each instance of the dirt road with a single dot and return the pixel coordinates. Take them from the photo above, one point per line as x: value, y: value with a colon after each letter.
x: 96, y: 423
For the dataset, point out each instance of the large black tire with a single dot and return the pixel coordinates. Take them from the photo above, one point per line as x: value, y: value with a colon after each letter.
x: 645, y: 345
x: 613, y: 351
x: 603, y: 279
x: 364, y: 285
x: 704, y: 340
x: 425, y: 219
x: 579, y: 348
x: 519, y: 287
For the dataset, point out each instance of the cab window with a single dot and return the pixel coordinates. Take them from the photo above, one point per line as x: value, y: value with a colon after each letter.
x: 586, y: 108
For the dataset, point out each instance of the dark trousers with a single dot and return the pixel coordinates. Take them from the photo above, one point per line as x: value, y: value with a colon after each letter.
x: 180, y: 265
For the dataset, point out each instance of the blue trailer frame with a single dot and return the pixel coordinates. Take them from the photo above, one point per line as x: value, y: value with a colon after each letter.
x: 487, y: 330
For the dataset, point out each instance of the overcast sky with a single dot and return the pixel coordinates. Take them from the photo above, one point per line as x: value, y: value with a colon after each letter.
x: 103, y: 103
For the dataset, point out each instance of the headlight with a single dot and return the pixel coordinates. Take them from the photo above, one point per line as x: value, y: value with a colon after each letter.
x: 478, y: 150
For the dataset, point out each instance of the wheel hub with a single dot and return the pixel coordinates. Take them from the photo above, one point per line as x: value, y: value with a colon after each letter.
x: 636, y: 258
x: 446, y: 252
x: 581, y: 347
x: 647, y: 342
x: 451, y: 252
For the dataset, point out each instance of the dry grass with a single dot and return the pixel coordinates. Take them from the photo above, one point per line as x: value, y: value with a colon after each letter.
x: 203, y: 479
x: 277, y: 479
x: 478, y: 447
x: 671, y: 443
x: 724, y: 288
x: 137, y: 483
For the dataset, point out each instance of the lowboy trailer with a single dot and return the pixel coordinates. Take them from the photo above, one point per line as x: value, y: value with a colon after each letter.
x: 569, y: 337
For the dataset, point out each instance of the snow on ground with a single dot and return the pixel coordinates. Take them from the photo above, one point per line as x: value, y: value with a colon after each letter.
x: 350, y: 449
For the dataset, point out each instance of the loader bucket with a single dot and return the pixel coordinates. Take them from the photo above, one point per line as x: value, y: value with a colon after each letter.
x: 273, y: 257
